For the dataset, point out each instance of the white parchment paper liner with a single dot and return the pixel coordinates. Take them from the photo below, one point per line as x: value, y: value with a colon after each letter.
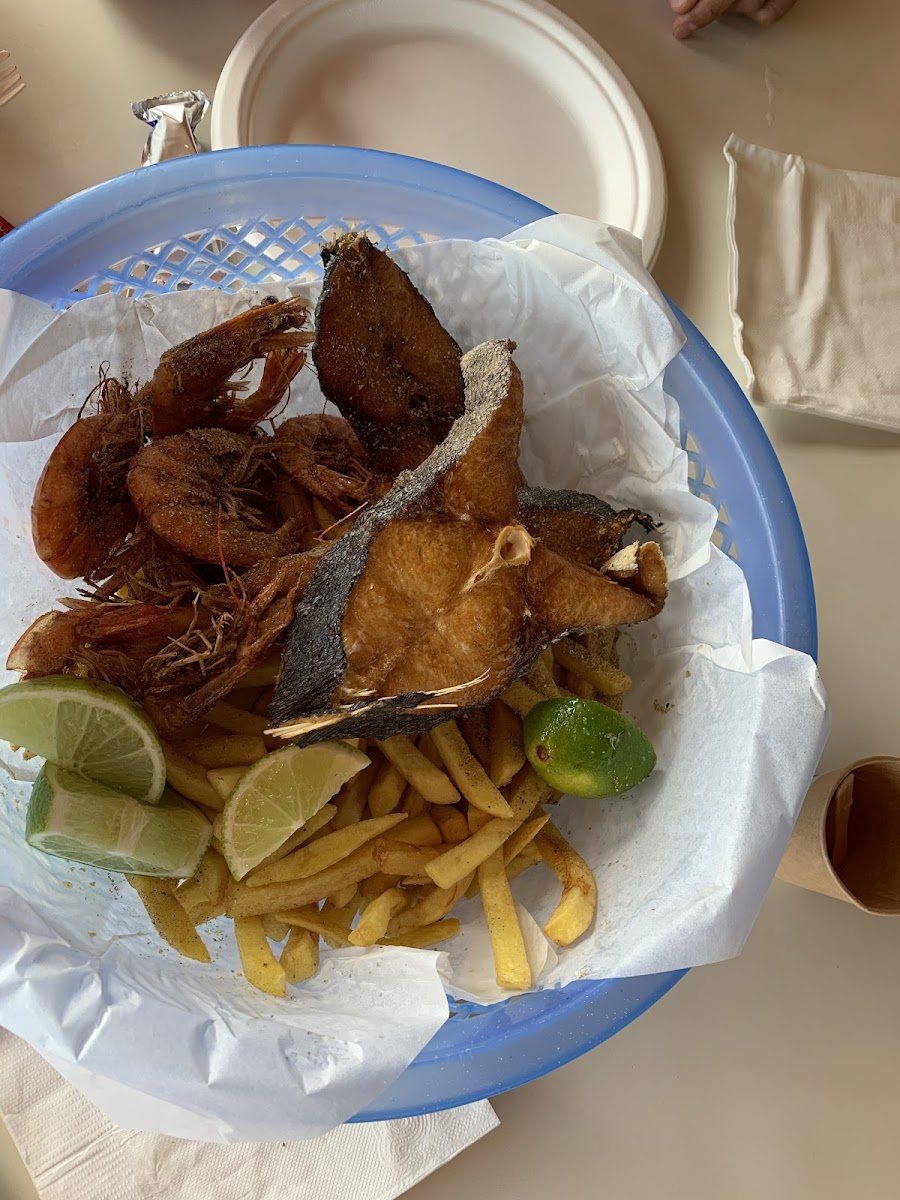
x: 682, y: 863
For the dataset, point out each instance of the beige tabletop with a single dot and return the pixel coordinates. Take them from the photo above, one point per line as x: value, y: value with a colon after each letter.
x: 773, y: 1075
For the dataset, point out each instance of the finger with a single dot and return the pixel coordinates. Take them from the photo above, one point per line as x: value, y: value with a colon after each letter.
x: 703, y: 12
x: 772, y: 11
x: 682, y: 6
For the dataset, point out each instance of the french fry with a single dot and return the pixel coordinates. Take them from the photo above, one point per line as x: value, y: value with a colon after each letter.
x: 223, y: 779
x: 461, y: 860
x: 520, y: 697
x: 315, y: 823
x: 430, y: 750
x: 249, y: 901
x: 467, y: 772
x: 418, y: 771
x: 244, y: 698
x: 506, y: 745
x: 213, y: 875
x: 578, y: 904
x: 417, y: 881
x: 432, y: 907
x: 237, y: 720
x: 202, y: 914
x: 510, y: 960
x: 343, y: 898
x: 190, y: 895
x: 371, y: 888
x: 606, y: 678
x: 473, y: 726
x: 373, y: 923
x: 418, y: 831
x: 526, y: 833
x: 580, y: 687
x: 540, y: 677
x: 324, y: 852
x: 264, y: 673
x: 189, y: 778
x: 276, y: 931
x: 425, y: 935
x: 263, y: 700
x: 260, y: 966
x: 452, y: 823
x: 209, y: 813
x: 475, y: 818
x: 414, y: 802
x: 168, y: 916
x: 518, y: 865
x: 300, y: 956
x: 386, y: 791
x: 309, y: 917
x: 394, y: 858
x: 224, y: 749
x: 351, y: 799
x: 325, y: 518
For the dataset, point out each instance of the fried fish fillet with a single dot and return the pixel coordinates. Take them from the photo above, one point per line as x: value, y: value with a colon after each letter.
x: 383, y: 358
x: 439, y: 596
x: 577, y: 525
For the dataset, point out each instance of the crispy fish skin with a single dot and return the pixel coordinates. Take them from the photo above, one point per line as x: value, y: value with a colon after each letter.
x: 382, y: 356
x: 438, y: 597
x: 577, y: 525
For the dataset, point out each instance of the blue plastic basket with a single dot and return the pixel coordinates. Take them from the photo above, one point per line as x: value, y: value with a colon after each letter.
x: 246, y: 216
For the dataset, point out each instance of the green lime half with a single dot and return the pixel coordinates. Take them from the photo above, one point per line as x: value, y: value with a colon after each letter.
x: 94, y: 729
x: 74, y: 818
x: 586, y: 749
x: 277, y: 795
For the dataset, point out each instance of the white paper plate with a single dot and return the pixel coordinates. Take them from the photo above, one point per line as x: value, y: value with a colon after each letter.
x: 508, y: 89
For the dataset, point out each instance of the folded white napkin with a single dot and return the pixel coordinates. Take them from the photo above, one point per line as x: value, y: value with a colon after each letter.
x: 815, y: 284
x: 74, y: 1153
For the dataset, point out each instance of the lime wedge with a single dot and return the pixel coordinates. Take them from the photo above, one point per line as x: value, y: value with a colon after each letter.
x: 74, y: 818
x: 586, y: 749
x: 94, y: 729
x: 277, y: 795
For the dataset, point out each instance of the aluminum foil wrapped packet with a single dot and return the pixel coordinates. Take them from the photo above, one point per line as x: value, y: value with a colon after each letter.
x: 173, y: 120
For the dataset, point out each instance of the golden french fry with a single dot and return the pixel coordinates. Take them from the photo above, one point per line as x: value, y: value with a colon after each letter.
x: 324, y: 852
x: 418, y: 770
x: 418, y: 831
x: 276, y: 931
x: 414, y: 803
x: 416, y: 881
x: 213, y: 750
x: 213, y: 875
x: 425, y: 935
x: 371, y: 888
x: 473, y: 725
x: 518, y: 865
x: 525, y: 834
x: 434, y: 905
x: 605, y: 677
x: 576, y: 909
x: 223, y: 779
x: 386, y: 791
x: 202, y: 914
x: 467, y: 772
x: 506, y: 746
x: 260, y: 966
x: 373, y: 923
x: 190, y: 895
x: 452, y: 823
x: 314, y: 825
x: 169, y: 918
x: 580, y: 687
x: 351, y: 799
x: 464, y: 858
x: 510, y: 960
x: 520, y: 697
x: 395, y: 858
x: 189, y: 778
x: 343, y: 899
x: 249, y: 901
x: 430, y: 750
x: 325, y: 518
x: 476, y: 819
x: 309, y: 917
x: 264, y: 674
x: 540, y: 677
x: 300, y: 956
x: 236, y: 720
x: 526, y: 792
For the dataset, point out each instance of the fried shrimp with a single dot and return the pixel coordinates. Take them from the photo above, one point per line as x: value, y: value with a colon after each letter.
x: 322, y: 453
x: 192, y: 386
x: 210, y: 494
x: 81, y: 508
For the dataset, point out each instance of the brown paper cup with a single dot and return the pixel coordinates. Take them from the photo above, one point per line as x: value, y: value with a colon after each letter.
x: 846, y: 842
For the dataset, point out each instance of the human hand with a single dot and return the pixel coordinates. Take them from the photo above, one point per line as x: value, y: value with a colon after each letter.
x: 691, y: 15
